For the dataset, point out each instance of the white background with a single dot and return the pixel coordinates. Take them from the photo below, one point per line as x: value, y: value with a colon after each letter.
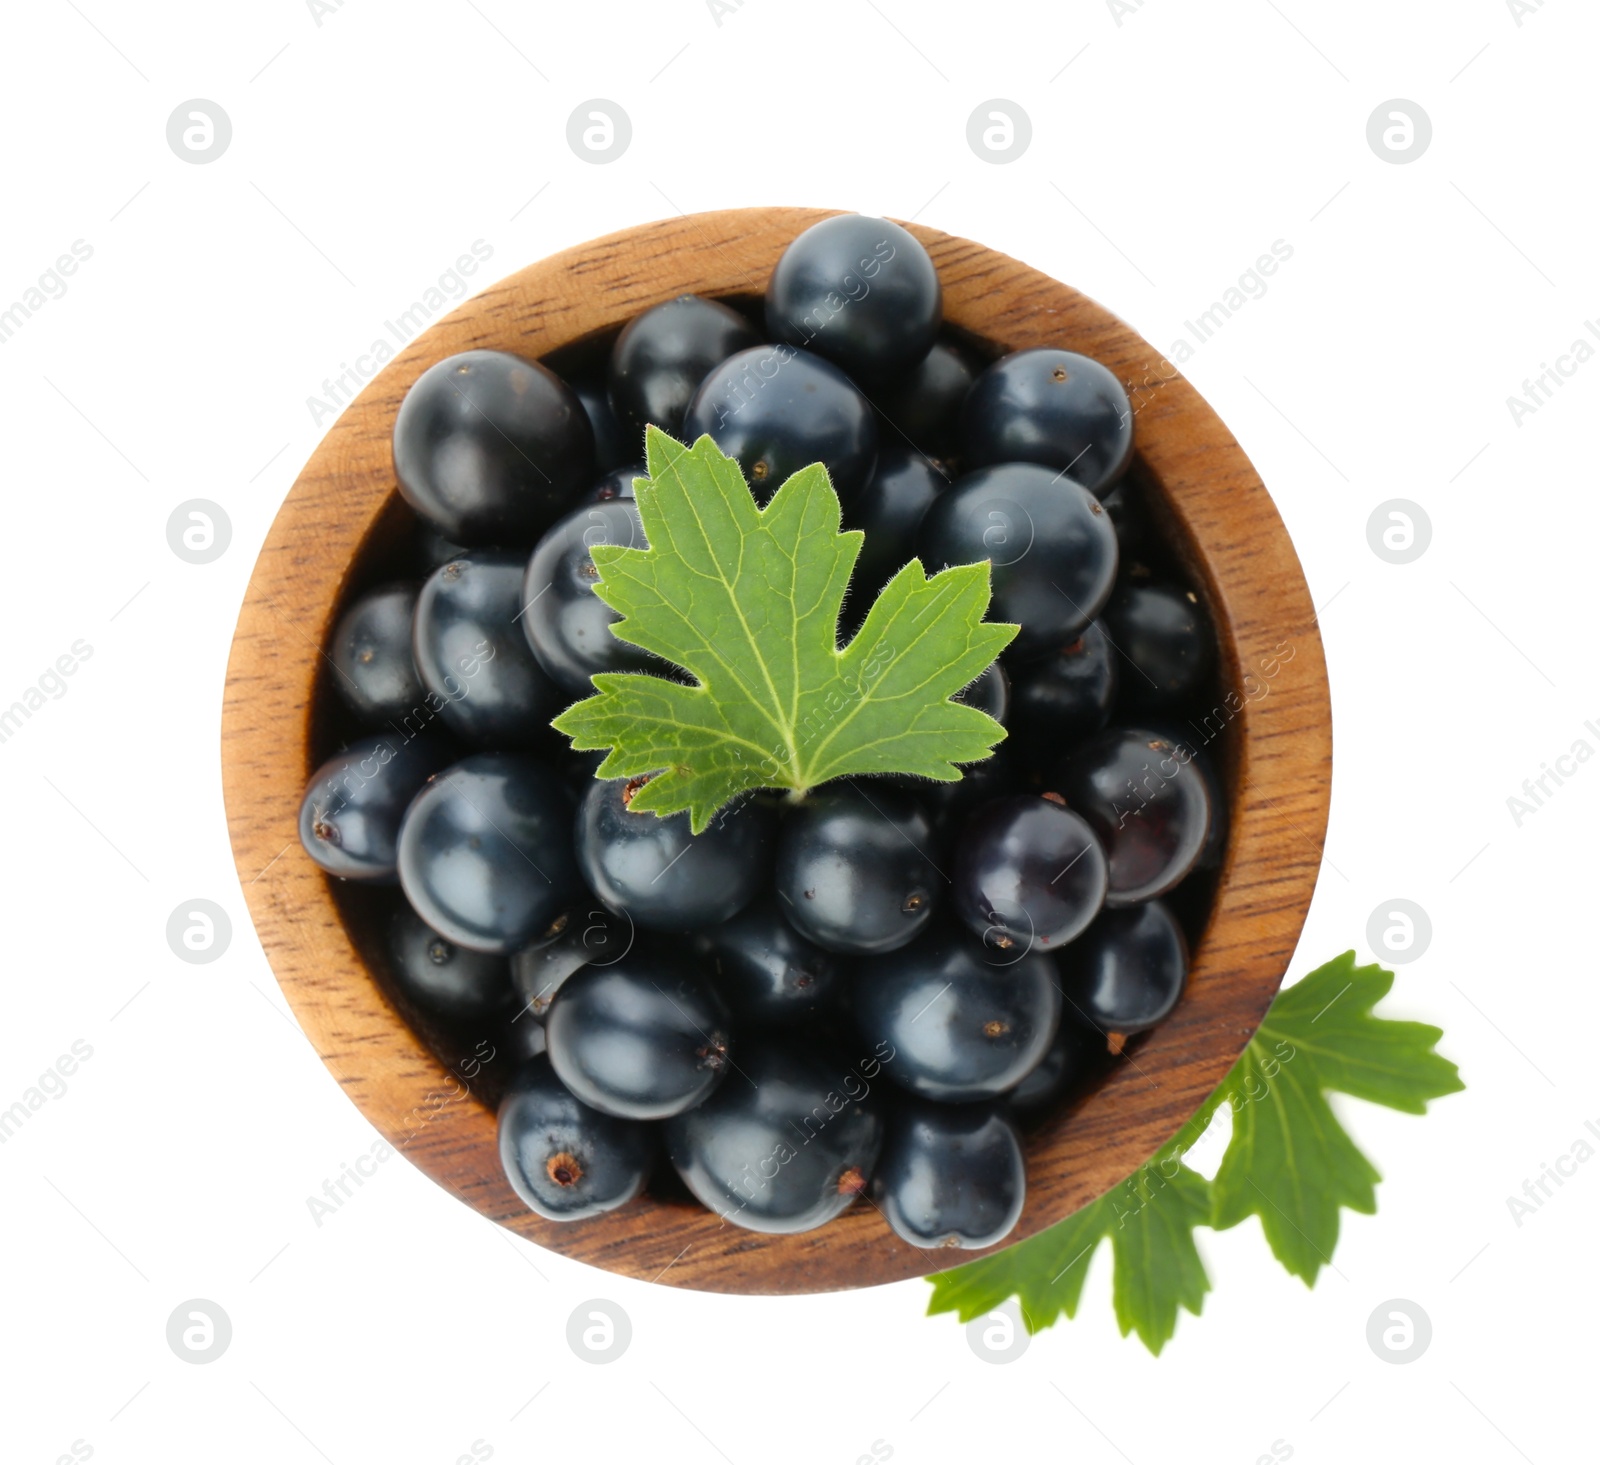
x: 1174, y: 148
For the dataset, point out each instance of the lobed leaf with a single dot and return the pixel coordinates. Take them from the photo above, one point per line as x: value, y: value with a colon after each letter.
x: 1288, y: 1161
x: 747, y: 601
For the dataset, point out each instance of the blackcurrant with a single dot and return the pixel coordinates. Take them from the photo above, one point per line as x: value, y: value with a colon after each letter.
x: 948, y: 804
x: 951, y: 1175
x: 643, y: 1038
x: 1165, y: 640
x: 612, y: 449
x: 1077, y: 1056
x: 1027, y: 872
x: 566, y: 1161
x: 1128, y: 970
x: 353, y: 807
x: 370, y: 652
x: 777, y: 410
x: 923, y: 407
x: 1063, y: 697
x: 857, y: 867
x: 661, y: 876
x: 486, y: 851
x: 1216, y: 845
x: 1146, y: 801
x: 1130, y: 518
x: 962, y: 1022
x: 990, y: 693
x: 1057, y: 408
x: 786, y: 1144
x: 770, y: 975
x: 618, y: 483
x: 585, y: 934
x: 484, y: 681
x: 489, y: 447
x: 662, y: 356
x: 443, y: 980
x: 861, y: 292
x: 566, y: 623
x: 888, y: 511
x: 1051, y: 549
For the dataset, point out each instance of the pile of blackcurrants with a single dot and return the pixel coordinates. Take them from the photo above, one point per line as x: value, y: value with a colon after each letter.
x: 862, y: 991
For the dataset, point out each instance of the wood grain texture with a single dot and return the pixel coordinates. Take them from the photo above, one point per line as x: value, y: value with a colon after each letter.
x: 1278, y: 752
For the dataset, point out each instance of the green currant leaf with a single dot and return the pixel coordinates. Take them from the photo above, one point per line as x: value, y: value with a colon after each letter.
x: 1156, y: 1264
x: 747, y: 601
x: 1290, y: 1161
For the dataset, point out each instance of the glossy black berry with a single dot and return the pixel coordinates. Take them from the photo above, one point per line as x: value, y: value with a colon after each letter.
x: 923, y: 407
x: 1051, y: 549
x: 489, y: 447
x: 1027, y: 871
x: 951, y: 1175
x: 612, y: 449
x: 888, y: 511
x: 777, y: 410
x: 1213, y: 851
x: 1128, y: 970
x: 473, y: 658
x: 584, y: 935
x: 770, y: 975
x: 1130, y: 518
x: 486, y: 851
x: 990, y: 693
x: 1075, y: 1059
x: 858, y: 290
x: 661, y: 876
x: 1063, y: 697
x: 662, y: 356
x: 857, y: 868
x: 1166, y: 643
x: 370, y: 651
x: 1193, y: 900
x: 444, y: 980
x: 566, y: 1161
x: 948, y: 804
x: 1057, y: 408
x: 1144, y: 798
x: 566, y: 623
x: 351, y: 814
x: 643, y: 1038
x: 786, y: 1144
x: 963, y: 1022
x: 618, y: 483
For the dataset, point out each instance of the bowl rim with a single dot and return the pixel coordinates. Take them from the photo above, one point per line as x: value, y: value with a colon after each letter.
x: 1226, y: 527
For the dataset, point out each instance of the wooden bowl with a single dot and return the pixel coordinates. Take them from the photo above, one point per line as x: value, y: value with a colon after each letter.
x: 1274, y: 752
